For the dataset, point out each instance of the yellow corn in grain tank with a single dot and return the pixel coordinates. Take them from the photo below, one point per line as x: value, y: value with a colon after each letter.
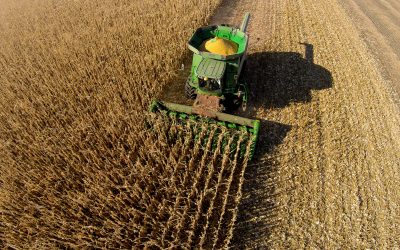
x: 220, y: 46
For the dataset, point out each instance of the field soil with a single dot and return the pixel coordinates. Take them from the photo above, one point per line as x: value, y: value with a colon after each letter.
x: 328, y: 163
x: 378, y: 23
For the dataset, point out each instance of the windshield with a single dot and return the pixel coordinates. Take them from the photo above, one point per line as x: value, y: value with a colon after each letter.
x: 210, y: 84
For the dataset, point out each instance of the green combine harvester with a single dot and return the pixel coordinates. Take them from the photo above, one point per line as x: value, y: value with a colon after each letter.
x: 216, y: 81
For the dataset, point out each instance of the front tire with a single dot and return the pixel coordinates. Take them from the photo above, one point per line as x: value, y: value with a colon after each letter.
x: 244, y: 87
x: 190, y: 92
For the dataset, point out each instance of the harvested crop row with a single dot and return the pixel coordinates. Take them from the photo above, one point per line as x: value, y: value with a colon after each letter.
x: 328, y: 174
x: 78, y: 166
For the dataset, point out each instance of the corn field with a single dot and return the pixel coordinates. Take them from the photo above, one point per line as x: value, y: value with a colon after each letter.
x: 82, y: 163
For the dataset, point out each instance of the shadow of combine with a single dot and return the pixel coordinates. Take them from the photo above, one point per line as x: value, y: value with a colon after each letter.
x: 280, y: 78
x: 276, y: 80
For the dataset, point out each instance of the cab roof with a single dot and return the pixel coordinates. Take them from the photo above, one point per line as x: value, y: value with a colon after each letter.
x: 211, y: 68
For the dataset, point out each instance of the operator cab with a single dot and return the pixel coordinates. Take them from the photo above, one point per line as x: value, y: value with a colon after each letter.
x: 210, y: 73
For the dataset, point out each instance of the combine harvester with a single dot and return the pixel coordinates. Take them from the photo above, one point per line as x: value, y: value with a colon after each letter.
x: 216, y: 80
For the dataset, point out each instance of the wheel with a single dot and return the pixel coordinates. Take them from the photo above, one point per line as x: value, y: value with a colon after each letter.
x: 244, y: 86
x: 231, y: 102
x: 190, y: 92
x: 244, y: 106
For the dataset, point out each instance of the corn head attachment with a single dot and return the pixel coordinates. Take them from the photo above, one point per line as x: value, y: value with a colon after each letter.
x: 230, y: 122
